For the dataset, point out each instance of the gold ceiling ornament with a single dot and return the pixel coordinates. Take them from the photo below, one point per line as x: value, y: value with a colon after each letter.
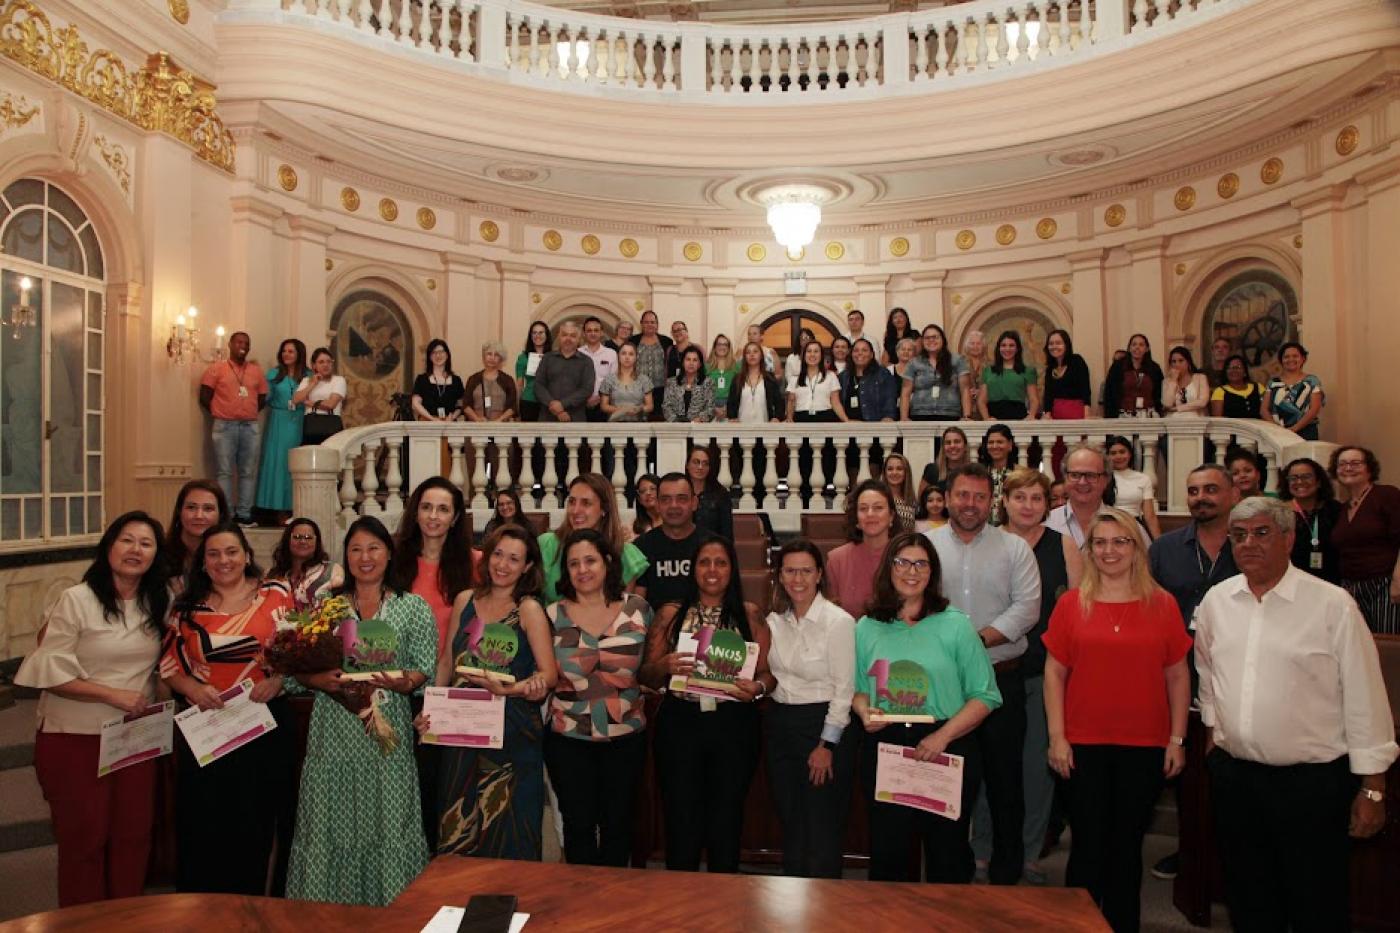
x: 756, y: 252
x: 287, y: 177
x: 161, y: 96
x: 1347, y: 140
x: 1115, y: 215
x: 591, y: 244
x: 388, y: 209
x: 639, y: 304
x: 1185, y: 198
x: 835, y: 250
x: 427, y: 219
x: 1181, y: 268
x: 553, y: 239
x: 115, y: 157
x: 1228, y: 185
x: 1298, y: 241
x: 899, y: 246
x: 629, y: 248
x: 966, y: 239
x: 432, y: 285
x: 1046, y: 228
x: 1271, y: 171
x: 692, y: 251
x: 17, y: 111
x: 490, y: 231
x: 1065, y: 289
x: 350, y: 199
x: 179, y: 10
x: 1006, y: 234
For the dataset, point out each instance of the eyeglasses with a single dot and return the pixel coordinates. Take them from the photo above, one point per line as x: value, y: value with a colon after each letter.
x: 1351, y: 464
x: 1301, y: 479
x: 1117, y: 544
x: 1083, y: 476
x: 904, y: 565
x: 303, y: 538
x: 1241, y: 535
x: 798, y: 572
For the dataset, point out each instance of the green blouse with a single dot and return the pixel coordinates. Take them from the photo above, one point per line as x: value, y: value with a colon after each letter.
x: 633, y: 563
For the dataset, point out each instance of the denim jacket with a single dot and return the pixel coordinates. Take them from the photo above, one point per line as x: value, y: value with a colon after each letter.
x: 879, y: 394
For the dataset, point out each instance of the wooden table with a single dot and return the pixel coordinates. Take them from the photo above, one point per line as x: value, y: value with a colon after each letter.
x: 576, y: 898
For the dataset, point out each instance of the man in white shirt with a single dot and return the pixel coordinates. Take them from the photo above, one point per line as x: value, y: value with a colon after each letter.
x: 1086, y: 479
x: 604, y: 364
x: 1291, y: 689
x: 855, y: 326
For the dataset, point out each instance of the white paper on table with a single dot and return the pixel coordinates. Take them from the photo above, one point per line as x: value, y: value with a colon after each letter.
x: 464, y: 716
x: 136, y: 737
x: 687, y: 643
x: 932, y: 786
x: 448, y: 919
x: 215, y: 733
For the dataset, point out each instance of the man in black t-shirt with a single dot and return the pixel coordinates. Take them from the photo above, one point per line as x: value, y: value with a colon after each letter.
x: 670, y: 548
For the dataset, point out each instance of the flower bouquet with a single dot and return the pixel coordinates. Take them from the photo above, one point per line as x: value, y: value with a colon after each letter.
x: 309, y: 642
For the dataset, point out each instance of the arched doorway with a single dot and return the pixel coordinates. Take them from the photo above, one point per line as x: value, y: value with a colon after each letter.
x: 1030, y: 323
x: 1256, y: 311
x: 374, y: 350
x: 782, y: 330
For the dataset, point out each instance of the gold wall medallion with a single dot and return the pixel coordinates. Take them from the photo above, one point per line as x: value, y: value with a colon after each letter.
x: 834, y: 251
x: 388, y: 209
x: 848, y: 306
x: 1115, y: 215
x: 957, y: 300
x: 179, y: 10
x: 553, y: 239
x: 899, y: 246
x: 591, y: 244
x: 427, y: 219
x: 1228, y: 185
x: 692, y: 251
x: 756, y: 252
x: 629, y: 248
x: 329, y: 265
x: 115, y: 157
x: 535, y: 298
x: 490, y: 232
x: 966, y: 239
x: 1347, y: 140
x: 350, y: 199
x: 287, y: 177
x: 1298, y: 241
x: 743, y: 309
x: 1181, y: 268
x: 1006, y: 234
x: 432, y: 285
x: 1271, y: 171
x: 1046, y: 228
x: 1185, y: 198
x: 1065, y: 289
x: 639, y: 304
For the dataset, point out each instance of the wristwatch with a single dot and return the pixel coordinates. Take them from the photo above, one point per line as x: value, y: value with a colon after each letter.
x: 1375, y: 796
x: 828, y: 745
x: 1178, y: 741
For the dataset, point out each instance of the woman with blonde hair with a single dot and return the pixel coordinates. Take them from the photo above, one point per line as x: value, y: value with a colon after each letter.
x: 591, y: 503
x: 1117, y: 694
x: 722, y: 369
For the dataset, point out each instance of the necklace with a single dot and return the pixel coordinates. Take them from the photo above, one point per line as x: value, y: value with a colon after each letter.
x: 355, y: 602
x: 1117, y: 620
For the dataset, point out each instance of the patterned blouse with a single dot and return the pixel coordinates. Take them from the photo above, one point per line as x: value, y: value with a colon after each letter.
x: 598, y: 696
x: 221, y: 649
x: 689, y: 403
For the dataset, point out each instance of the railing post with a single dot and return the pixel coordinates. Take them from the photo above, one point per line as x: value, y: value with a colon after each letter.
x: 671, y: 450
x: 490, y: 35
x: 1110, y: 20
x: 315, y: 490
x: 894, y: 48
x: 693, y: 76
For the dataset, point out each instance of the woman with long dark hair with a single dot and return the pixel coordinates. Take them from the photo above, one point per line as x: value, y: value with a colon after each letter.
x: 936, y: 383
x: 301, y: 564
x: 872, y: 518
x: 714, y: 508
x: 1308, y: 489
x: 509, y: 511
x: 706, y: 749
x: 954, y: 451
x: 1185, y: 390
x: 690, y: 397
x: 899, y: 477
x: 1133, y: 490
x: 647, y: 514
x: 199, y: 505
x: 226, y: 812
x: 897, y: 328
x: 538, y: 342
x: 653, y: 351
x: 1000, y: 454
x: 757, y: 396
x: 911, y: 634
x: 437, y: 390
x: 1133, y: 384
x: 1011, y: 388
x: 433, y: 548
x: 814, y: 397
x: 1068, y: 393
x: 100, y: 643
x: 283, y: 429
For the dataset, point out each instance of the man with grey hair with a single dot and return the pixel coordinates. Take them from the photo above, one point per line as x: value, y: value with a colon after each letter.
x: 1087, y: 476
x: 564, y: 381
x: 1301, y: 729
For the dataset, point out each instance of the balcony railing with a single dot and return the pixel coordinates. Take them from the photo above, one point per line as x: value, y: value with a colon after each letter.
x: 371, y: 470
x: 565, y: 50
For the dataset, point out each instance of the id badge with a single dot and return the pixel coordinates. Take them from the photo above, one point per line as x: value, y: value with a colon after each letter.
x: 1315, y: 560
x: 719, y: 383
x: 486, y: 402
x: 855, y: 401
x: 1141, y: 402
x: 442, y: 412
x: 935, y: 392
x: 242, y: 391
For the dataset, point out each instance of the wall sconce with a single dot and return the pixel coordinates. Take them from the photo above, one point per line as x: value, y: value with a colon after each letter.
x: 22, y: 315
x: 184, y: 339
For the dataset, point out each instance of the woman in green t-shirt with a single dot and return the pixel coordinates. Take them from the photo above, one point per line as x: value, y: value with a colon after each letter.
x: 722, y: 369
x: 590, y: 504
x: 1010, y: 390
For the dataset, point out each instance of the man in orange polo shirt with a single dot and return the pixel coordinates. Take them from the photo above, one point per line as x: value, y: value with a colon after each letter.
x: 233, y: 391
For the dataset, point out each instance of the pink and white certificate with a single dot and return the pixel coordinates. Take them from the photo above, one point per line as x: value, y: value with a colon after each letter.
x: 464, y: 716
x: 136, y: 737
x: 932, y: 786
x: 212, y: 734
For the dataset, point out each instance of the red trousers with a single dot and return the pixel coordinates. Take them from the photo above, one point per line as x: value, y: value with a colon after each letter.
x: 102, y: 825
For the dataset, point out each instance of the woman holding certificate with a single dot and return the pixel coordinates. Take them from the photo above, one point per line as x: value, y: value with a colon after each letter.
x: 491, y: 801
x: 923, y: 682
x: 359, y: 835
x: 596, y: 746
x: 226, y: 811
x: 100, y: 642
x: 1117, y: 693
x: 706, y: 743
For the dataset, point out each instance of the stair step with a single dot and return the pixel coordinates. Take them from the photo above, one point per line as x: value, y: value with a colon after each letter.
x: 30, y: 882
x: 17, y: 735
x: 24, y: 813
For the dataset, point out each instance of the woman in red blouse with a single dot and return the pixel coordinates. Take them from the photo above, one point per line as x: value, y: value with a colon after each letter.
x: 1117, y: 691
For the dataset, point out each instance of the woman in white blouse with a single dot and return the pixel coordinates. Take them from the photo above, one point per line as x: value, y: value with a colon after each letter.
x: 814, y: 395
x: 323, y: 394
x: 1134, y: 492
x: 811, y: 752
x: 1185, y: 391
x: 95, y: 662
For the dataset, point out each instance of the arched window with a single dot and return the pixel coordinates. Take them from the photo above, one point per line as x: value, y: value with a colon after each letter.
x: 1256, y: 311
x: 374, y: 350
x: 51, y: 375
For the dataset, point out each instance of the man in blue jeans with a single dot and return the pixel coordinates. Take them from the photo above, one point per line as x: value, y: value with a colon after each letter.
x: 234, y: 391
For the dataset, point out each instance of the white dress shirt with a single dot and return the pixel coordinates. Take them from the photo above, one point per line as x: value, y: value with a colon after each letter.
x: 604, y: 363
x: 995, y: 580
x: 814, y: 660
x: 753, y: 402
x: 1293, y: 678
x: 1131, y: 489
x: 815, y: 396
x: 1064, y: 521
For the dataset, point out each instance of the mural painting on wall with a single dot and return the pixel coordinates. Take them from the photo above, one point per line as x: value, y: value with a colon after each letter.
x: 1031, y: 324
x: 1256, y: 311
x: 373, y: 348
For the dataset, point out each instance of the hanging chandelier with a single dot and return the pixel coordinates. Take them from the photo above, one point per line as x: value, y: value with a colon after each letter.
x: 794, y: 213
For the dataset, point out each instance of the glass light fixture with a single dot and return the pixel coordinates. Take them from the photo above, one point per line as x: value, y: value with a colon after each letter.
x: 22, y: 315
x: 794, y: 213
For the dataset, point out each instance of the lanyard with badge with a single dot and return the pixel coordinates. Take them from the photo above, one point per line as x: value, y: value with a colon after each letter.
x: 1206, y: 573
x: 1315, y: 542
x: 238, y: 375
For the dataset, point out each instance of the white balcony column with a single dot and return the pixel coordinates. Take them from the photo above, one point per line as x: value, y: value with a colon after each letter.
x: 490, y: 34
x: 349, y: 494
x: 746, y: 474
x: 393, y: 481
x: 1147, y: 303
x: 1111, y: 20
x: 920, y: 443
x: 1186, y: 450
x: 1329, y: 293
x: 894, y: 37
x: 1088, y: 299
x: 306, y: 280
x: 369, y: 479
x: 477, y: 496
x: 456, y: 472
x: 1377, y: 347
x: 693, y: 67
x: 315, y: 474
x: 719, y: 313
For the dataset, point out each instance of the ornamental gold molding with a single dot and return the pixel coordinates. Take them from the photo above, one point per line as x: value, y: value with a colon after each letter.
x: 756, y: 252
x: 1271, y: 171
x: 899, y: 247
x: 1185, y: 198
x: 553, y: 239
x: 1228, y: 185
x: 161, y: 96
x: 835, y: 250
x: 490, y: 231
x: 1006, y: 234
x: 287, y: 178
x: 17, y: 111
x: 1115, y: 215
x: 1347, y: 140
x: 1046, y: 228
x: 629, y: 248
x: 426, y: 218
x: 591, y: 244
x: 966, y: 239
x: 388, y: 209
x: 115, y: 157
x: 179, y: 11
x: 692, y: 251
x: 350, y: 199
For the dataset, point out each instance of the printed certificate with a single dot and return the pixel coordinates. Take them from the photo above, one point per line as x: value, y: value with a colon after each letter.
x: 136, y: 737
x: 932, y: 786
x: 464, y: 716
x: 214, y: 733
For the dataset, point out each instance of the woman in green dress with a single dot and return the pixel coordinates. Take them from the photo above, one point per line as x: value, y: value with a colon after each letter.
x: 359, y: 834
x: 283, y: 431
x: 491, y: 801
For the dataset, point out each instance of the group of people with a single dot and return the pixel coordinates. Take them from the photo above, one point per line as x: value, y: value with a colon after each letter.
x: 1066, y: 642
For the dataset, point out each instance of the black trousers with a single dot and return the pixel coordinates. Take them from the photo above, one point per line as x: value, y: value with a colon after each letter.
x: 596, y: 783
x: 813, y: 818
x: 428, y: 760
x: 896, y: 829
x: 226, y: 813
x: 1282, y: 833
x: 704, y: 763
x: 1112, y: 791
x: 1000, y: 738
x: 1008, y: 410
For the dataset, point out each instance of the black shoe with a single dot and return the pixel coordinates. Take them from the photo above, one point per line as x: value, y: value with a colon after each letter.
x: 247, y: 522
x: 1166, y: 867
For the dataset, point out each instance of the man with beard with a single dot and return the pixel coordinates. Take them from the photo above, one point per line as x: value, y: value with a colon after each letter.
x: 234, y: 391
x: 671, y: 547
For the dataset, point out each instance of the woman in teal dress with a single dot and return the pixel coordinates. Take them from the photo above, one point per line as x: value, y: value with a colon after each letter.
x: 491, y: 801
x: 283, y: 431
x: 359, y: 833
